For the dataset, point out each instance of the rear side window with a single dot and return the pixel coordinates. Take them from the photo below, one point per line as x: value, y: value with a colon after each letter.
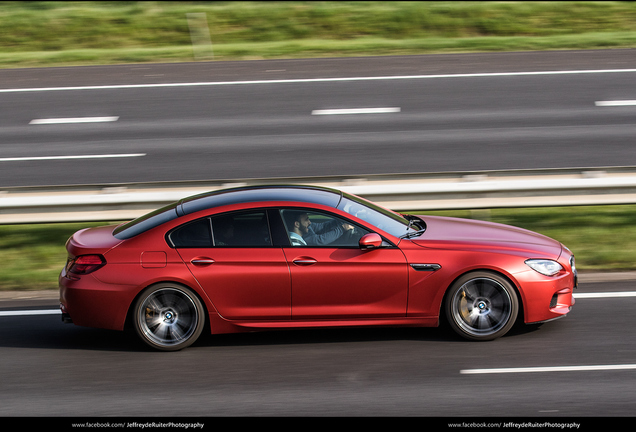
x: 242, y: 229
x: 195, y: 234
x: 239, y: 229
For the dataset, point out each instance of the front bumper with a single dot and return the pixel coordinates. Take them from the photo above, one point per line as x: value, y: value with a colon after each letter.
x: 546, y: 298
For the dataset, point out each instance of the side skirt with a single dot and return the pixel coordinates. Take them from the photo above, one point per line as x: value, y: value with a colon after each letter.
x: 218, y: 325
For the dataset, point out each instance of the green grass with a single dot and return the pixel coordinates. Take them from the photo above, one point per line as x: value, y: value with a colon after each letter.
x: 83, y: 33
x: 32, y: 256
x: 602, y: 238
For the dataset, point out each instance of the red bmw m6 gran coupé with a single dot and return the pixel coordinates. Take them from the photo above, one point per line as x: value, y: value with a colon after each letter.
x: 279, y: 257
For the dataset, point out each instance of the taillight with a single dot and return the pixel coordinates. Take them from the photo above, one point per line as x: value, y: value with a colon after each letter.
x: 85, y: 264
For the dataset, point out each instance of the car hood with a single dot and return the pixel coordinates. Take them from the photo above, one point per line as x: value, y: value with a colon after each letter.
x: 444, y: 232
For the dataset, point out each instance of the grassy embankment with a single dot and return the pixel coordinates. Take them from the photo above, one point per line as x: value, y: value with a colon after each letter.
x: 34, y: 34
x: 50, y: 33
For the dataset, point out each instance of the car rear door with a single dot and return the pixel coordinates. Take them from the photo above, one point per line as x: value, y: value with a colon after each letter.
x: 232, y: 258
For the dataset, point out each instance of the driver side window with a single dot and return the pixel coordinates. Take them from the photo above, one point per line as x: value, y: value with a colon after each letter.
x: 308, y: 228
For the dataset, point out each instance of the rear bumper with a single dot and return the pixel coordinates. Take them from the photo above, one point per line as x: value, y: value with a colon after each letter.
x: 87, y: 302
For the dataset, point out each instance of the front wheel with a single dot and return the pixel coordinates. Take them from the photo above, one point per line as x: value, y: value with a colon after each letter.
x: 481, y: 306
x: 168, y: 317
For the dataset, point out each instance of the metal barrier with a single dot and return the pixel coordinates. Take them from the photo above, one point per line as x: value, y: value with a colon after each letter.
x: 402, y: 192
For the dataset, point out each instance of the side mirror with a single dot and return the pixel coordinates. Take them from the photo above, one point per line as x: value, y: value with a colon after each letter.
x: 370, y: 241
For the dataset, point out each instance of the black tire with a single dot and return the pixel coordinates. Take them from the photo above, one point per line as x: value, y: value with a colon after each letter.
x: 481, y: 306
x: 168, y: 317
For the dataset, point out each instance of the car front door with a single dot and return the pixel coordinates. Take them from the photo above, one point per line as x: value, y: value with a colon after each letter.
x: 333, y: 278
x: 232, y: 258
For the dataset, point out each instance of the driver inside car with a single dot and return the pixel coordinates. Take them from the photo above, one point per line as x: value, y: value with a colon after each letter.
x: 304, y: 232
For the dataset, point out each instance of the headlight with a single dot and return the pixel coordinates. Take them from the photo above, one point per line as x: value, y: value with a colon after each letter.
x: 545, y: 267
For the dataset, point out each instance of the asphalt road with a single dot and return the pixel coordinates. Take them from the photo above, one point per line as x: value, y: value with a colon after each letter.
x: 61, y: 370
x: 262, y: 119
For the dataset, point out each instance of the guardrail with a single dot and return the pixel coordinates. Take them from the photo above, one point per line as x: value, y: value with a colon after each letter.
x: 401, y: 192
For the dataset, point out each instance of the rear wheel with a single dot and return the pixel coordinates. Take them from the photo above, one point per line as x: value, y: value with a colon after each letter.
x: 481, y: 306
x: 168, y: 317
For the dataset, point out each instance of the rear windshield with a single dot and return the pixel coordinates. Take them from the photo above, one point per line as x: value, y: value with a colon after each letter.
x: 146, y: 222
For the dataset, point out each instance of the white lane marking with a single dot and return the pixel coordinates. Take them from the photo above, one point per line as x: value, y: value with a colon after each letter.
x: 311, y: 80
x: 30, y: 312
x: 74, y: 120
x: 606, y: 294
x: 615, y: 103
x: 44, y: 158
x: 356, y: 111
x: 547, y: 369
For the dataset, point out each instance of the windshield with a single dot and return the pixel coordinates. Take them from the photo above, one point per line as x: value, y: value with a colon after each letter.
x: 386, y: 220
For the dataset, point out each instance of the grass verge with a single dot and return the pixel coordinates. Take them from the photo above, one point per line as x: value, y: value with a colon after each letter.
x: 62, y: 33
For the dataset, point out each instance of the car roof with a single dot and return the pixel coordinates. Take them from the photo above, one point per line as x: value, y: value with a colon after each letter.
x: 247, y: 194
x: 254, y: 194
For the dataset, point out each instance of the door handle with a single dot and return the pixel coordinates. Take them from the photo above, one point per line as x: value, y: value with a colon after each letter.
x: 201, y: 262
x: 304, y: 261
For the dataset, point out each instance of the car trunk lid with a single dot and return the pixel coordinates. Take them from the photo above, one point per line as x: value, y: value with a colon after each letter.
x: 97, y: 240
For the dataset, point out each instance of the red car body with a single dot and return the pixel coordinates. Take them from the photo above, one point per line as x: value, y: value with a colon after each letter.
x: 171, y: 271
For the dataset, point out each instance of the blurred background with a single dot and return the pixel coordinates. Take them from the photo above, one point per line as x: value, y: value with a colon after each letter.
x: 106, y: 98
